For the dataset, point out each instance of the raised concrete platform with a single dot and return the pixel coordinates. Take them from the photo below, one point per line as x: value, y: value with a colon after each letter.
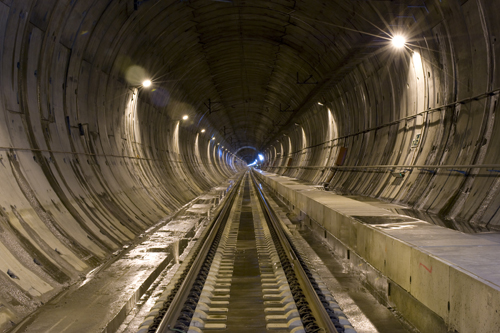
x: 454, y: 275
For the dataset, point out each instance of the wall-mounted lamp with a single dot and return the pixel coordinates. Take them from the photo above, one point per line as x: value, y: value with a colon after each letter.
x: 185, y: 117
x: 146, y: 83
x: 202, y: 131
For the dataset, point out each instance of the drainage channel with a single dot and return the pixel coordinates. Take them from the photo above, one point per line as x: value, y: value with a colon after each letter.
x: 244, y: 283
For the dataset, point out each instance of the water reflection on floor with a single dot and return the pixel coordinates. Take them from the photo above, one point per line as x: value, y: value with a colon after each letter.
x: 465, y: 227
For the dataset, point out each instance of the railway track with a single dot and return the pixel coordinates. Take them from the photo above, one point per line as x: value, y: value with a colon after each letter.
x: 246, y: 275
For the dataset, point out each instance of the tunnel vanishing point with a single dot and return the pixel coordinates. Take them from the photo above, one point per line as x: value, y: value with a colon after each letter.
x: 383, y: 100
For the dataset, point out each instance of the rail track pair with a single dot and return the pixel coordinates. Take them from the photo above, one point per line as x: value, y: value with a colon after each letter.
x: 245, y: 275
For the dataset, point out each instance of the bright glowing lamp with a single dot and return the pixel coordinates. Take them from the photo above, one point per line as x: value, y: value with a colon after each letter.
x: 202, y: 131
x: 185, y: 117
x: 146, y: 83
x: 398, y: 41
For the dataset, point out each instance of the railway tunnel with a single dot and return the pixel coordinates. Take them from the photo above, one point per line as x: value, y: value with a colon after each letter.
x: 373, y: 122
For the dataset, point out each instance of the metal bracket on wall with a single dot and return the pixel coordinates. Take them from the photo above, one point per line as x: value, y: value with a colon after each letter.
x: 306, y: 81
x: 287, y: 109
x: 209, y: 106
x: 465, y: 173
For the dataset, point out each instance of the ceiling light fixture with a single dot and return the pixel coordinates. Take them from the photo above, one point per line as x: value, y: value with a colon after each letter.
x: 398, y: 41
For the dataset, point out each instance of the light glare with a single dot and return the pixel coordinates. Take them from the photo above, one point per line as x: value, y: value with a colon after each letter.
x: 416, y: 57
x: 146, y: 83
x: 202, y: 131
x: 398, y: 41
x: 185, y: 117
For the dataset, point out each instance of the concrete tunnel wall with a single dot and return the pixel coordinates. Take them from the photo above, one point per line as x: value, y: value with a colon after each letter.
x: 444, y: 90
x: 88, y: 160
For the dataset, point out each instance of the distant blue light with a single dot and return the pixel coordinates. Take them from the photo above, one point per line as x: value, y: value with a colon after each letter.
x: 254, y: 162
x: 261, y: 157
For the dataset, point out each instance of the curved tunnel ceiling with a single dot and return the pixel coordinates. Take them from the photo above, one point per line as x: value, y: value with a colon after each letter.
x: 248, y: 67
x: 89, y: 158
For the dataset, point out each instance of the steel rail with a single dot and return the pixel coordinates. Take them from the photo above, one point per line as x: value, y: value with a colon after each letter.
x: 175, y: 308
x: 322, y: 318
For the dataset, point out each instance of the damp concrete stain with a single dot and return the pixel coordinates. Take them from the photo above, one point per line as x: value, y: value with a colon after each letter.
x: 57, y: 231
x: 26, y: 253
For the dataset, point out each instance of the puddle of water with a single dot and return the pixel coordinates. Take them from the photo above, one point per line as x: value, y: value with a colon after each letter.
x: 410, y: 213
x: 385, y: 219
x: 462, y: 226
